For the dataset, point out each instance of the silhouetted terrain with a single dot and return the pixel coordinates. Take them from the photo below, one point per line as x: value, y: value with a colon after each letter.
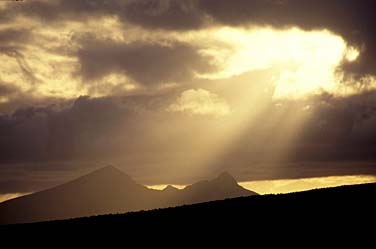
x: 109, y: 190
x: 323, y: 212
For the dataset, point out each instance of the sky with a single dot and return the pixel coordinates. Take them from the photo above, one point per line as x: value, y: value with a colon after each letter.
x: 174, y: 91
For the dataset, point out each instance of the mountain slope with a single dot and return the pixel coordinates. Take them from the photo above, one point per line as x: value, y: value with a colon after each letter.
x: 109, y: 190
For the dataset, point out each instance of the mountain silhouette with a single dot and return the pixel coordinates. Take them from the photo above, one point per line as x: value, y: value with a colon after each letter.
x: 109, y: 190
x: 336, y: 212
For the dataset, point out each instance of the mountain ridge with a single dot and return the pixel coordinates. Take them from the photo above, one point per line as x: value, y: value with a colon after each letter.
x: 109, y: 190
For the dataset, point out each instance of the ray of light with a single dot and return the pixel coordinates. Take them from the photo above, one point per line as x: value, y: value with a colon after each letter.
x: 300, y: 64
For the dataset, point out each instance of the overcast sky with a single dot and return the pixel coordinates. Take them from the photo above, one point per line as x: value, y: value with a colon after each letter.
x: 172, y: 91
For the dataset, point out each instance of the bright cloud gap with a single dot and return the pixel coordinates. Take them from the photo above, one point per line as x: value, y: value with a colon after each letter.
x: 304, y: 62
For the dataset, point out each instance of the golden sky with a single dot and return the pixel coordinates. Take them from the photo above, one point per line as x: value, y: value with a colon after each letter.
x: 173, y: 90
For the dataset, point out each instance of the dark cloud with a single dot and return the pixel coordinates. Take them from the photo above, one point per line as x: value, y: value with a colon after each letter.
x: 145, y: 63
x: 99, y: 128
x: 13, y: 35
x: 86, y: 128
x: 164, y: 14
x: 51, y: 134
x: 12, y: 40
x: 341, y: 130
x: 7, y: 90
x: 168, y: 14
x: 338, y: 130
x: 58, y: 10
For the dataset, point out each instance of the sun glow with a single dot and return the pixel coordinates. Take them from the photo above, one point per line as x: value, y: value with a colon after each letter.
x: 304, y: 62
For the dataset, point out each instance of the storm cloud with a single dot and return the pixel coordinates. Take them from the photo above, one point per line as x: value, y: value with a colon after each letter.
x: 144, y: 63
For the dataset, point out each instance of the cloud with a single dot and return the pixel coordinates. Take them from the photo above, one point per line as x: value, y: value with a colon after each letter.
x: 12, y: 35
x: 353, y: 19
x: 55, y: 10
x: 174, y: 20
x: 164, y: 14
x: 25, y: 69
x: 10, y: 93
x: 76, y: 129
x: 7, y: 90
x: 334, y: 132
x: 168, y: 14
x: 200, y: 102
x: 144, y: 63
x: 12, y: 42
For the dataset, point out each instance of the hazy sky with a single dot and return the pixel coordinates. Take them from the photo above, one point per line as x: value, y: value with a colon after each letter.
x: 171, y: 91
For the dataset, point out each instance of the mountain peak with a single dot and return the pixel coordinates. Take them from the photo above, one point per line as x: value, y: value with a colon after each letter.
x: 108, y: 169
x: 108, y: 173
x: 225, y: 178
